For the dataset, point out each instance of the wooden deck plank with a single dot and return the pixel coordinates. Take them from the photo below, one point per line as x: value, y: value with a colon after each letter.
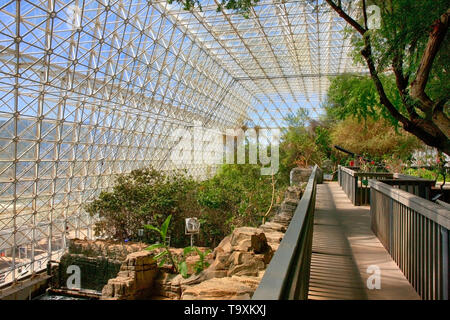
x: 344, y: 247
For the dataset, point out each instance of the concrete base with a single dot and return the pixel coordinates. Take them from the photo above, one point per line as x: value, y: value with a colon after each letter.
x: 26, y: 289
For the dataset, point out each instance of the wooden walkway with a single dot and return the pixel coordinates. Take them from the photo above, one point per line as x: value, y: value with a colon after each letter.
x: 344, y: 247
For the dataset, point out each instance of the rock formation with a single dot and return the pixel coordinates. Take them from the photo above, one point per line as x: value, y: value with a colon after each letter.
x: 134, y: 279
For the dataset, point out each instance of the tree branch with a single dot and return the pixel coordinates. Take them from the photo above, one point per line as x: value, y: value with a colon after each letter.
x: 437, y: 36
x: 367, y: 54
x: 365, y: 14
x: 346, y: 17
x: 440, y: 118
x: 402, y: 83
x: 432, y: 130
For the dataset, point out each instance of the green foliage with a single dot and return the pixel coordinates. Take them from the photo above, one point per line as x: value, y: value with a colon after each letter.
x: 165, y: 254
x: 238, y: 195
x: 240, y: 6
x: 405, y: 27
x: 351, y: 95
x: 302, y: 145
x: 179, y: 264
x: 201, y: 264
x: 377, y: 139
x: 145, y: 196
x: 323, y: 140
x: 424, y: 173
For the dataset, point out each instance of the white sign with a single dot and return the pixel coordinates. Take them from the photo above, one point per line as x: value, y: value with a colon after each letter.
x: 192, y: 226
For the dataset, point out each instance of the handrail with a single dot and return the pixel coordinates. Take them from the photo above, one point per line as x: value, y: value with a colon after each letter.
x: 355, y: 183
x: 431, y: 210
x: 415, y: 232
x: 287, y: 276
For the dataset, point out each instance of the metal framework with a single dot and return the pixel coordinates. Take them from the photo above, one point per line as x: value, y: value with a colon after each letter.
x: 93, y: 88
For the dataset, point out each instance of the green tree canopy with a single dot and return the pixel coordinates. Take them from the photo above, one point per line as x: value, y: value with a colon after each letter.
x: 412, y: 44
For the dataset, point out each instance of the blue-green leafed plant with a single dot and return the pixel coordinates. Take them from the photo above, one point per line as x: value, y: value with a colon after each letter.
x: 201, y: 264
x: 178, y: 266
x: 165, y: 253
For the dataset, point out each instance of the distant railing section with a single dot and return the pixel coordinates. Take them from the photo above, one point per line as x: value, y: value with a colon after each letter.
x: 287, y: 276
x: 415, y: 232
x: 356, y: 183
x: 415, y: 185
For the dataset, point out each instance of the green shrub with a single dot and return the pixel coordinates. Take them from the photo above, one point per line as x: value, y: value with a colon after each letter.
x: 145, y: 196
x: 424, y: 173
x: 238, y: 195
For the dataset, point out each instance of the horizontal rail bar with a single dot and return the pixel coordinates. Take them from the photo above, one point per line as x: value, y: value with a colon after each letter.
x: 355, y: 184
x: 287, y: 276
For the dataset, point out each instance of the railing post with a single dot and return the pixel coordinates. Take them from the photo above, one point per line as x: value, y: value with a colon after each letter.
x: 444, y: 284
x: 355, y: 191
x: 339, y: 175
x: 391, y: 229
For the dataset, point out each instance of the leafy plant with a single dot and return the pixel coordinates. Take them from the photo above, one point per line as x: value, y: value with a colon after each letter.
x: 201, y: 264
x: 376, y: 138
x: 179, y: 265
x: 165, y: 253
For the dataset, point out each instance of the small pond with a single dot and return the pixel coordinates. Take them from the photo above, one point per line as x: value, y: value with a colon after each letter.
x: 51, y: 296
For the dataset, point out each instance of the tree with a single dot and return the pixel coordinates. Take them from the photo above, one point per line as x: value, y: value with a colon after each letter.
x: 351, y: 95
x: 302, y: 144
x: 376, y: 138
x: 144, y: 196
x: 412, y: 43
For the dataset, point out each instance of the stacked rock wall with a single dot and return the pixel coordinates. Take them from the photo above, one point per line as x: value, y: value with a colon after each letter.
x: 135, y: 279
x: 104, y: 248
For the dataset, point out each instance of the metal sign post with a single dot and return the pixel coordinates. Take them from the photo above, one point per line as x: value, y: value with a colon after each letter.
x: 192, y: 227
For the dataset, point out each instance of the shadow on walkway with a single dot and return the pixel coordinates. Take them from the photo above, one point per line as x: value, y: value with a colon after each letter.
x: 344, y: 247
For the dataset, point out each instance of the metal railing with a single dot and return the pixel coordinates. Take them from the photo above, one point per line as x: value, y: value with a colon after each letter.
x: 415, y: 232
x: 356, y: 184
x: 287, y: 276
x: 415, y: 185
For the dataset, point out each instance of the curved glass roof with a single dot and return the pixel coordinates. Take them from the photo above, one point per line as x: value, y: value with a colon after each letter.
x: 93, y: 88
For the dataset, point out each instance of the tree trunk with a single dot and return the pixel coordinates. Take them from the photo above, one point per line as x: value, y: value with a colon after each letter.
x: 434, y: 129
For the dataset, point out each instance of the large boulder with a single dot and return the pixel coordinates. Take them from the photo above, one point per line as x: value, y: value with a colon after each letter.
x: 229, y: 288
x: 300, y: 175
x: 294, y: 193
x: 273, y: 226
x: 284, y: 218
x: 167, y: 285
x: 245, y: 253
x: 241, y: 239
x: 274, y: 239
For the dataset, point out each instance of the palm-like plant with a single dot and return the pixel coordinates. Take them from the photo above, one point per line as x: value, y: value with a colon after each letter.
x: 201, y: 264
x: 178, y: 266
x: 165, y: 253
